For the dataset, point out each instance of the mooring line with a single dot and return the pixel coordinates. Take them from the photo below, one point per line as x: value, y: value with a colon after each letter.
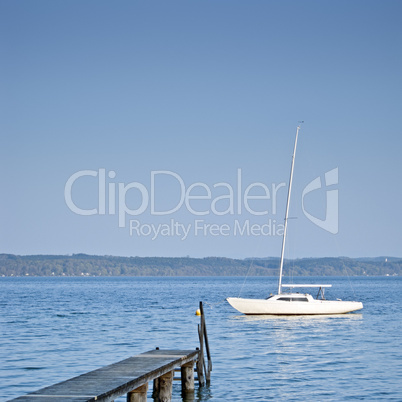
x: 215, y: 304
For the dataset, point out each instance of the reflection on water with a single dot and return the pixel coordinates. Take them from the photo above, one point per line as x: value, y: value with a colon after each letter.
x: 298, y: 318
x: 55, y: 328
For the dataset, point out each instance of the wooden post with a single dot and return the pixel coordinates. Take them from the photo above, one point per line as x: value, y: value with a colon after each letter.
x: 205, y: 335
x: 200, y: 361
x: 165, y: 387
x: 139, y: 394
x: 187, y: 378
x: 155, y: 389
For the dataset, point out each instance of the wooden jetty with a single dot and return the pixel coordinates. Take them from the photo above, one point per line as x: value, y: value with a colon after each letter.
x: 131, y: 376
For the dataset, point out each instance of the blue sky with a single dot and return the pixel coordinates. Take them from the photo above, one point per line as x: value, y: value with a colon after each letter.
x: 200, y: 89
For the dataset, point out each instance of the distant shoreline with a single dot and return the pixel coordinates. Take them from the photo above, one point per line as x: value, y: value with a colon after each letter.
x: 78, y: 265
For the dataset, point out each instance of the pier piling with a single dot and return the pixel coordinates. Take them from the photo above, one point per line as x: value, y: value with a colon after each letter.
x: 139, y: 394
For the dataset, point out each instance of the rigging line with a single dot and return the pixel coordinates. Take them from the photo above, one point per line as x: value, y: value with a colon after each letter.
x: 257, y: 248
x: 245, y: 278
x: 346, y: 269
x: 290, y: 259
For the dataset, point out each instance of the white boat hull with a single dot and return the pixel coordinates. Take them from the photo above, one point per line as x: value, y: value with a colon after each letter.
x: 275, y: 307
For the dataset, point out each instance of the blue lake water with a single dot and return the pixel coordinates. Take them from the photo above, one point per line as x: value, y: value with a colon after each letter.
x: 56, y: 328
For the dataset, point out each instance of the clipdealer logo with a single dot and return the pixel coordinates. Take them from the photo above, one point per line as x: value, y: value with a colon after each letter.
x: 331, y: 221
x: 198, y: 199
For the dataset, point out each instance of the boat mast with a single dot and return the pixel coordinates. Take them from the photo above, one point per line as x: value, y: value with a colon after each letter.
x: 287, y: 213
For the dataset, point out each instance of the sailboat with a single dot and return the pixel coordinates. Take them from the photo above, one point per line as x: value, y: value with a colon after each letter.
x: 293, y: 303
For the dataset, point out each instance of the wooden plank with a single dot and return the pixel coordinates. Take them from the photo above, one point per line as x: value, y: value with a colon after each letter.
x: 109, y: 382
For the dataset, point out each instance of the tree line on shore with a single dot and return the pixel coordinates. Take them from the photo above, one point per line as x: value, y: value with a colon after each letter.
x: 91, y: 265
